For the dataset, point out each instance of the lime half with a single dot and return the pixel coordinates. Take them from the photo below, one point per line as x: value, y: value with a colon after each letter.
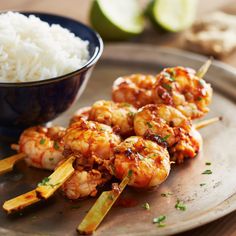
x: 117, y: 19
x: 172, y: 15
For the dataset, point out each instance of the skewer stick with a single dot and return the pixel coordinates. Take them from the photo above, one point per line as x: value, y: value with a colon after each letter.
x: 46, y: 188
x: 20, y: 202
x: 101, y: 207
x: 7, y: 164
x: 205, y: 123
x: 203, y: 69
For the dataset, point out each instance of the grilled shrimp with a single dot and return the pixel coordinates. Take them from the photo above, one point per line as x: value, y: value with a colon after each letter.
x: 148, y: 161
x: 43, y: 146
x: 134, y: 89
x: 83, y: 184
x: 90, y: 141
x: 117, y: 115
x: 168, y: 127
x: 165, y: 122
x: 181, y: 88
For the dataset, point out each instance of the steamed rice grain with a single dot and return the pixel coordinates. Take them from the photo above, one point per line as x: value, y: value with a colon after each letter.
x: 31, y: 49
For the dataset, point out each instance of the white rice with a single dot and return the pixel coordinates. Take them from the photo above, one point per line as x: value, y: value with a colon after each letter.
x: 31, y: 49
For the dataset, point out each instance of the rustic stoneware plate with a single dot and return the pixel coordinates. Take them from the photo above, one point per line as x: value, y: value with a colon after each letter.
x: 204, y: 203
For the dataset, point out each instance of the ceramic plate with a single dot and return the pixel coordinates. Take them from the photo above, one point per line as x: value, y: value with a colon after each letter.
x: 204, y: 203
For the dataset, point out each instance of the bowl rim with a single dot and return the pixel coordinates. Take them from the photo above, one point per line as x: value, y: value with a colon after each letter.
x: 92, y: 61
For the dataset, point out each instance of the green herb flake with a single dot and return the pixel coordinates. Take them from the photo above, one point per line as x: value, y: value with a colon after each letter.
x: 130, y: 172
x: 110, y: 197
x: 165, y: 138
x: 208, y: 163
x: 56, y: 145
x: 42, y: 141
x: 203, y: 184
x: 199, y: 98
x: 166, y: 194
x: 146, y: 206
x: 180, y: 206
x: 169, y: 76
x: 44, y: 182
x: 159, y: 221
x: 167, y: 87
x: 149, y: 124
x: 51, y: 159
x: 207, y: 172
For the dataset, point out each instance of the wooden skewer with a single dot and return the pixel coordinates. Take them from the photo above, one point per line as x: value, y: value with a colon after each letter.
x: 101, y: 207
x: 20, y: 202
x: 7, y: 164
x: 205, y: 123
x: 204, y: 68
x: 46, y: 188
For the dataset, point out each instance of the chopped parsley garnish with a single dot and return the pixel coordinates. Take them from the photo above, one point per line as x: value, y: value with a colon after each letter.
x: 51, y: 159
x: 110, y: 197
x: 199, y: 98
x: 207, y: 172
x: 149, y: 124
x: 169, y: 76
x: 56, y: 146
x: 165, y: 138
x: 130, y: 173
x: 166, y: 194
x: 167, y: 87
x: 203, y: 184
x: 159, y: 221
x: 45, y: 182
x: 208, y: 163
x: 146, y: 206
x: 42, y: 141
x: 180, y: 206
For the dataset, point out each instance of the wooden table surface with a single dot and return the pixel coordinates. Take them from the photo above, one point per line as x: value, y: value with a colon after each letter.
x: 79, y: 9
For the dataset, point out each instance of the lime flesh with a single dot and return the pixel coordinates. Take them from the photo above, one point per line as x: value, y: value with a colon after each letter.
x: 117, y: 19
x: 172, y: 15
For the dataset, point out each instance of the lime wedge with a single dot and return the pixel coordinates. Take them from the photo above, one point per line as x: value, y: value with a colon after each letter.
x: 172, y: 15
x: 117, y: 19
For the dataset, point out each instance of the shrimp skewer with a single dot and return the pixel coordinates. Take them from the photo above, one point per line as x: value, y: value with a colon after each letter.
x: 180, y: 87
x: 7, y: 164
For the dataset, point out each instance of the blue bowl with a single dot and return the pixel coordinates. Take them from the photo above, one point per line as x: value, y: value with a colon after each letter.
x: 32, y: 103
